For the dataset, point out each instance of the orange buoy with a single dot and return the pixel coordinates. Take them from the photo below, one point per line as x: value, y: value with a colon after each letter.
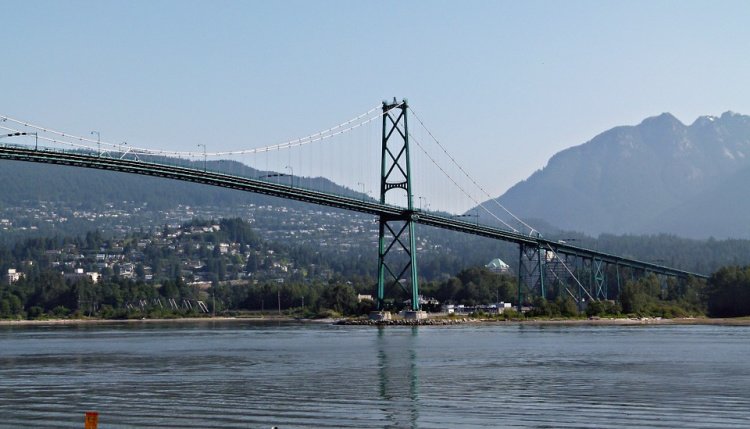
x: 92, y: 419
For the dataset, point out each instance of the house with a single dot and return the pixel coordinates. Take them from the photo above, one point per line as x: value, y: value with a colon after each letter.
x: 13, y: 275
x: 361, y: 298
x: 79, y: 274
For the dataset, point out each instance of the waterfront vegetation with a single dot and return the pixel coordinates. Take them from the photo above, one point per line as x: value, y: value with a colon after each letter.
x: 231, y: 271
x: 47, y: 294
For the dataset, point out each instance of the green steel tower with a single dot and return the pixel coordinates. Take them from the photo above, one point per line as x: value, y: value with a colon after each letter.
x: 397, y: 250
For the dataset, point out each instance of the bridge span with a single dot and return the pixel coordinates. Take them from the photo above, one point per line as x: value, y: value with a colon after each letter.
x: 87, y: 160
x: 540, y: 259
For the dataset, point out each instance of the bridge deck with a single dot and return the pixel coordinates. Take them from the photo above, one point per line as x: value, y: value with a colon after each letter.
x: 79, y: 159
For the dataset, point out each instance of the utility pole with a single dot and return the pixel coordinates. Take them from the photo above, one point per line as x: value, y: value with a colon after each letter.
x: 278, y: 298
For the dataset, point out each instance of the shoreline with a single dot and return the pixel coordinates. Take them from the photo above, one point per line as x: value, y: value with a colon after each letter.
x: 176, y: 320
x: 740, y: 321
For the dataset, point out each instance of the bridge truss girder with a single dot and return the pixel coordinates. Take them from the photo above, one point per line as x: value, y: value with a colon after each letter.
x: 530, y: 273
x: 547, y: 273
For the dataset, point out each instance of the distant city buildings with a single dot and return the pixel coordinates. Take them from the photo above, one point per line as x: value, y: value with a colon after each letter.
x: 135, y: 233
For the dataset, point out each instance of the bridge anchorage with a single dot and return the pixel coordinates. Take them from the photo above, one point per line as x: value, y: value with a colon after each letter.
x: 546, y: 268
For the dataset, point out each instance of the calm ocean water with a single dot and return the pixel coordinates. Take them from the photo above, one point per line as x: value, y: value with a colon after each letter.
x: 246, y: 375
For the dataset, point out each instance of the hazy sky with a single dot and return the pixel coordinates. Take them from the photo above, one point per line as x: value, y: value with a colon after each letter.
x: 504, y: 85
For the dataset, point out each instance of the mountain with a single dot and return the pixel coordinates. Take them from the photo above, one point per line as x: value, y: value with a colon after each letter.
x: 660, y: 176
x: 90, y: 188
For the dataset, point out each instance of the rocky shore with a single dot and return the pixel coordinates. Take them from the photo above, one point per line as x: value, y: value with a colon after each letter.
x: 440, y: 321
x: 405, y: 322
x: 595, y: 321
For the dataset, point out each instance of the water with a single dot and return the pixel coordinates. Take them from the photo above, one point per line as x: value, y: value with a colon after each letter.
x: 245, y: 375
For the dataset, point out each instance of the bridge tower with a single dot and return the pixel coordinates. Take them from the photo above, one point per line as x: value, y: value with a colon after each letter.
x: 397, y: 249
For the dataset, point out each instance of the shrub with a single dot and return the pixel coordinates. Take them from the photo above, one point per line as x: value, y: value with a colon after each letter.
x: 60, y: 311
x: 35, y: 312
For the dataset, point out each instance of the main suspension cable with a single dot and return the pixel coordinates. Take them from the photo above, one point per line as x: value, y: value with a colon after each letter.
x: 339, y: 129
x: 456, y: 183
x: 531, y: 229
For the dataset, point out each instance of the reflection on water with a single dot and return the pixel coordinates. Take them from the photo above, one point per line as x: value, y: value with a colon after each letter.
x: 244, y: 375
x: 398, y: 376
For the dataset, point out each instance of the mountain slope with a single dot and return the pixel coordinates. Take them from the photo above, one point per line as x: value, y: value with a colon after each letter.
x: 91, y: 189
x: 637, y: 179
x: 720, y: 212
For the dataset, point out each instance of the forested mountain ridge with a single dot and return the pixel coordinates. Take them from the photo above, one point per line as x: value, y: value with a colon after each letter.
x: 659, y: 176
x: 90, y: 188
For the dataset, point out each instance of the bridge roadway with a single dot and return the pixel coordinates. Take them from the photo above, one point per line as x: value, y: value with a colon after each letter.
x: 147, y: 168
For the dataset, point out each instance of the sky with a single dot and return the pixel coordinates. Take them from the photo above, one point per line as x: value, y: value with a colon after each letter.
x: 504, y: 85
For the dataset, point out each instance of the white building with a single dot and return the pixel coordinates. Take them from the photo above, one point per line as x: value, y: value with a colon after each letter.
x: 361, y: 297
x: 80, y: 274
x: 498, y: 266
x: 13, y: 275
x: 497, y: 308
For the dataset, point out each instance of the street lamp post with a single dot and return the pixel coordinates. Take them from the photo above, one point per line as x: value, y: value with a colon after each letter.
x: 98, y: 142
x: 36, y: 137
x: 204, y: 155
x: 291, y: 172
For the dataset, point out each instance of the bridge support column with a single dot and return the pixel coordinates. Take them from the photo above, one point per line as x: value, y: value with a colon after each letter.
x: 397, y: 249
x: 617, y: 274
x: 600, y: 282
x: 530, y: 273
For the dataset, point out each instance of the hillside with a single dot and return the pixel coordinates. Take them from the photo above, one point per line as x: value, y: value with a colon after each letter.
x: 659, y: 176
x: 92, y: 189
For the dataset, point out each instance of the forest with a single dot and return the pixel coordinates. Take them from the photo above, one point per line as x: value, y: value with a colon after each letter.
x: 447, y: 276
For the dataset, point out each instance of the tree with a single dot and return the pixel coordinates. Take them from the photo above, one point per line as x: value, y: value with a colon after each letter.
x: 567, y: 306
x: 5, y: 308
x: 728, y: 292
x: 339, y: 297
x: 637, y: 297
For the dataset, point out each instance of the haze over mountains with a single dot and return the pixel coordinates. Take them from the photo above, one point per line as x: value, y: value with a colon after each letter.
x: 660, y: 176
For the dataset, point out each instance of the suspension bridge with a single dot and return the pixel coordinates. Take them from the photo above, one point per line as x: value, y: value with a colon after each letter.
x: 584, y: 274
